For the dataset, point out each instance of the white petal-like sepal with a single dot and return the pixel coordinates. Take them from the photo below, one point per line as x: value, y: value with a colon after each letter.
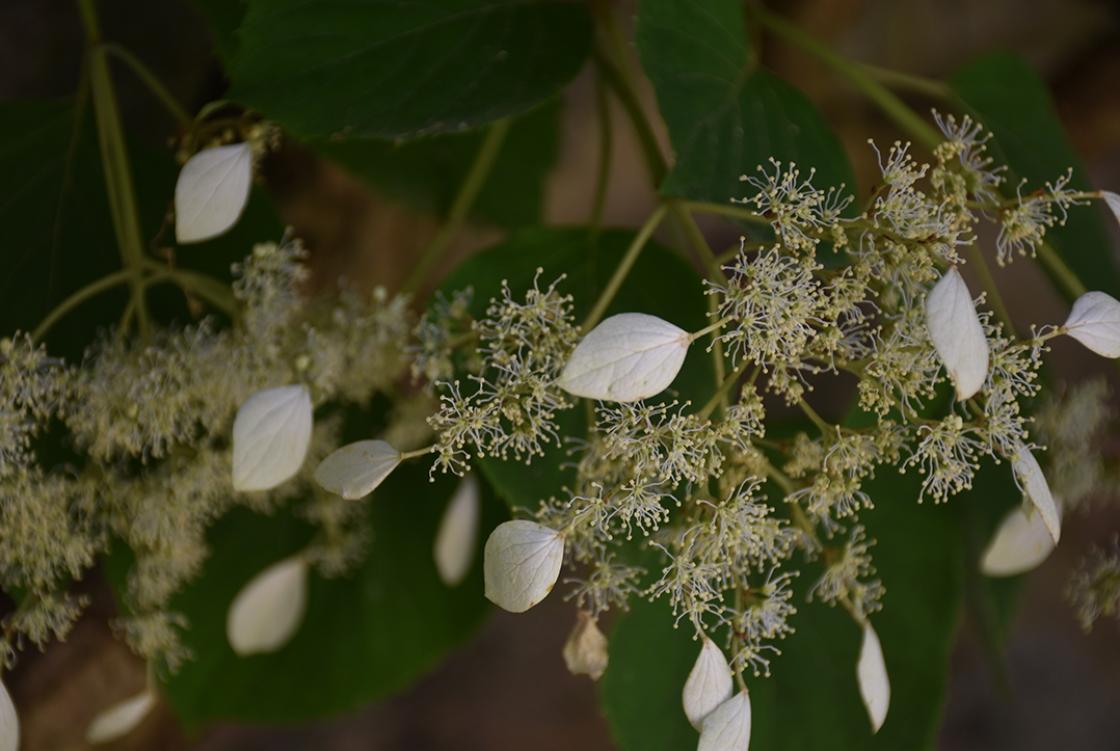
x: 212, y: 191
x: 1113, y: 202
x: 1033, y: 483
x: 120, y: 719
x: 1021, y: 543
x: 269, y: 609
x: 874, y: 685
x: 355, y: 470
x: 1095, y: 322
x: 458, y: 533
x: 728, y: 727
x: 625, y: 358
x: 521, y: 563
x: 270, y: 437
x: 9, y: 722
x: 585, y: 652
x: 709, y: 683
x: 956, y: 333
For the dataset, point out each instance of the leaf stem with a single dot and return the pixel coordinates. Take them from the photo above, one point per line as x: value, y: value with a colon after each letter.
x: 624, y: 266
x: 989, y: 283
x: 1070, y: 283
x: 150, y: 80
x: 85, y: 293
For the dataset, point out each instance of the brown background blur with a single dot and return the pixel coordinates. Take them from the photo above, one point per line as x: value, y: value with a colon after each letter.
x: 508, y: 689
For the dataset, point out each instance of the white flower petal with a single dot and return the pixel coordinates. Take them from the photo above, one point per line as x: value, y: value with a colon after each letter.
x: 957, y: 334
x: 585, y: 652
x: 458, y: 532
x: 9, y: 722
x: 355, y: 470
x: 1033, y: 483
x: 709, y: 683
x: 728, y: 727
x: 212, y: 191
x: 625, y: 358
x: 1113, y: 202
x: 521, y: 563
x: 270, y: 437
x: 120, y: 719
x: 269, y: 609
x: 1021, y: 543
x: 1095, y: 322
x: 874, y: 685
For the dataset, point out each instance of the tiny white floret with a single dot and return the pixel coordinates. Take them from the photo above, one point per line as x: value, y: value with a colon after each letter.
x: 521, y: 563
x: 120, y: 719
x: 9, y: 721
x: 627, y: 357
x: 874, y: 685
x: 355, y: 470
x: 1022, y: 542
x: 1032, y: 482
x: 271, y: 435
x: 728, y: 727
x: 212, y: 191
x: 1095, y: 322
x: 269, y: 609
x: 458, y: 532
x: 709, y: 683
x: 956, y: 333
x: 585, y: 651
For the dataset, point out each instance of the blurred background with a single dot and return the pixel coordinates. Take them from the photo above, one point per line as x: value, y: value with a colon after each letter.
x: 507, y: 688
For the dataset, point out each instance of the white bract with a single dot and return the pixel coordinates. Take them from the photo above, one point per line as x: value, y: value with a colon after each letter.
x: 1032, y: 482
x: 709, y: 683
x: 355, y: 470
x: 585, y: 652
x: 9, y: 722
x: 455, y: 540
x: 212, y: 191
x: 625, y: 358
x: 1095, y: 322
x: 874, y: 685
x: 270, y: 437
x: 728, y: 727
x: 1113, y: 202
x: 521, y: 563
x: 120, y: 719
x: 1022, y: 542
x: 269, y: 609
x: 956, y: 333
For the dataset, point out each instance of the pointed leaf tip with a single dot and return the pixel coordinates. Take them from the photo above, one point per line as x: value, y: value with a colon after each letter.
x: 1020, y: 544
x: 874, y: 685
x: 521, y: 563
x: 709, y: 683
x: 212, y: 191
x: 956, y: 333
x: 355, y: 470
x: 1094, y: 321
x: 120, y: 719
x: 1033, y: 483
x: 458, y: 531
x: 627, y: 357
x: 728, y: 727
x: 271, y: 435
x: 268, y: 610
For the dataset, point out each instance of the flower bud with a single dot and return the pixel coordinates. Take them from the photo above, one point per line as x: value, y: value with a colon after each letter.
x: 627, y: 357
x: 521, y: 563
x: 1021, y: 543
x: 709, y: 683
x: 728, y: 727
x: 585, y: 652
x: 9, y: 722
x: 212, y: 191
x: 458, y: 530
x: 355, y: 470
x: 874, y: 685
x: 270, y: 437
x: 1031, y: 480
x: 269, y: 609
x: 120, y: 719
x: 956, y: 333
x: 1095, y: 322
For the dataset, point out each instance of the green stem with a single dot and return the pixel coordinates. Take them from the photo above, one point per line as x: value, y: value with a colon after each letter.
x: 726, y: 383
x: 461, y: 206
x: 150, y: 80
x: 990, y: 286
x: 85, y: 293
x: 730, y: 210
x: 606, y: 144
x: 1070, y: 283
x: 623, y: 269
x: 856, y: 74
x: 927, y: 87
x: 614, y: 78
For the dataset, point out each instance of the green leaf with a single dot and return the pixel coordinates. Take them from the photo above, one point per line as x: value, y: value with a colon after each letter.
x: 222, y: 18
x: 389, y: 69
x: 427, y: 172
x: 660, y: 283
x: 811, y: 702
x: 1007, y: 96
x: 725, y: 115
x: 364, y: 636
